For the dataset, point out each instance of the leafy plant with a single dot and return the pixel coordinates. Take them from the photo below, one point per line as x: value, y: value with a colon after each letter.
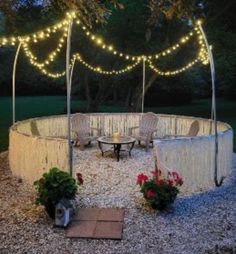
x: 159, y: 191
x: 53, y: 186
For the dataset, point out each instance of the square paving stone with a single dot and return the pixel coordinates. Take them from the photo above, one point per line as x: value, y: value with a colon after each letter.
x: 87, y: 214
x: 108, y: 230
x: 105, y: 223
x: 83, y: 229
x: 111, y: 214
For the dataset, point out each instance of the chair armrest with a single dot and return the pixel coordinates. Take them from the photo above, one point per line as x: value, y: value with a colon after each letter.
x: 150, y: 132
x: 154, y: 131
x: 131, y: 129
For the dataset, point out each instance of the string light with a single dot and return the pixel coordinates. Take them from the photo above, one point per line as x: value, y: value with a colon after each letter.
x: 173, y: 72
x: 63, y: 25
x: 52, y: 75
x: 203, y: 53
x: 104, y: 72
x: 40, y: 35
x: 44, y: 71
x: 109, y: 48
x: 51, y: 56
x: 202, y: 57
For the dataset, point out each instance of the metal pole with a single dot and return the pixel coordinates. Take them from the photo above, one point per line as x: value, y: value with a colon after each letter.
x: 213, y: 110
x: 14, y: 84
x: 72, y: 71
x: 143, y: 94
x: 68, y: 85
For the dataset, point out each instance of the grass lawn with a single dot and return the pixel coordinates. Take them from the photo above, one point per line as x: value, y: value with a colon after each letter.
x: 28, y: 107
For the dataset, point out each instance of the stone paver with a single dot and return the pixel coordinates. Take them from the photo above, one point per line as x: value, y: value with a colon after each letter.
x: 87, y: 214
x: 97, y: 223
x: 84, y: 229
x: 108, y: 229
x: 111, y: 214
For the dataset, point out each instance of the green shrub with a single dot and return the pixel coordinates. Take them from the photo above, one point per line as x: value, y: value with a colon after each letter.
x: 54, y: 186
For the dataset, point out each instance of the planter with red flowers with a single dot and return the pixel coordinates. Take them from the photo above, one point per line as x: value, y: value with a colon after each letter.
x: 159, y: 191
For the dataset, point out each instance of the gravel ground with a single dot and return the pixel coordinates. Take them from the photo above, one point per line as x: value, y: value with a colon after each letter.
x: 196, y: 223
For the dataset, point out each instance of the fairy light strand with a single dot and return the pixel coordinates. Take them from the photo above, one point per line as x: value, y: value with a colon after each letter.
x: 39, y: 35
x: 102, y: 71
x: 99, y: 41
x: 202, y: 57
x: 51, y: 56
x: 63, y: 25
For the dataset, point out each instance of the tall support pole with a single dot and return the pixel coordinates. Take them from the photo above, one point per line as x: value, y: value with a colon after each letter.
x: 71, y: 72
x: 68, y: 85
x: 14, y: 84
x: 213, y: 110
x: 144, y: 78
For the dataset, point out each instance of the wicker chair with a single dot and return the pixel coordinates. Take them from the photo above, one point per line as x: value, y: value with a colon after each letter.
x: 147, y: 126
x: 80, y: 126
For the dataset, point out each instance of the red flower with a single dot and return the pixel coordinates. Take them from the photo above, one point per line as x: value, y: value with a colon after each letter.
x: 141, y: 179
x: 170, y: 182
x: 169, y: 173
x: 179, y: 181
x: 156, y: 173
x: 159, y: 182
x: 79, y: 179
x: 175, y: 174
x: 150, y: 194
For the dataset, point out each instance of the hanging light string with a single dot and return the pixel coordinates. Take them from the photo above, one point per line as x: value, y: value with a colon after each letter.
x: 39, y: 35
x: 102, y: 71
x: 109, y: 48
x: 202, y: 57
x: 172, y: 72
x: 203, y: 53
x: 51, y: 56
x: 46, y: 33
x: 77, y: 57
x: 63, y: 25
x: 51, y: 74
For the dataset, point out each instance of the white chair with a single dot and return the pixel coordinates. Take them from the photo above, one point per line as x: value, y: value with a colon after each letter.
x: 193, y: 131
x: 147, y: 126
x: 80, y: 125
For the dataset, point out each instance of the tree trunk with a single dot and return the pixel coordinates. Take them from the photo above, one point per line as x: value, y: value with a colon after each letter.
x: 128, y: 101
x: 87, y: 91
x: 147, y: 86
x: 102, y: 94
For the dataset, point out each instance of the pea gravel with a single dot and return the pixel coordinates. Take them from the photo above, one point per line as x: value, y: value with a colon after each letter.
x: 196, y: 223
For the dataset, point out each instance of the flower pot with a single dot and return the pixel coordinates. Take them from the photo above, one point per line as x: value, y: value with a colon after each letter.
x: 50, y: 209
x: 160, y: 206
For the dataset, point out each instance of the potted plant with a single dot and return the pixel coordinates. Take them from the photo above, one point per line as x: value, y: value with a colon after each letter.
x: 53, y: 186
x: 159, y: 191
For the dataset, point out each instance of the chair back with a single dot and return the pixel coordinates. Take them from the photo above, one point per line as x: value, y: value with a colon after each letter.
x: 194, y: 128
x: 80, y: 124
x: 148, y: 123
